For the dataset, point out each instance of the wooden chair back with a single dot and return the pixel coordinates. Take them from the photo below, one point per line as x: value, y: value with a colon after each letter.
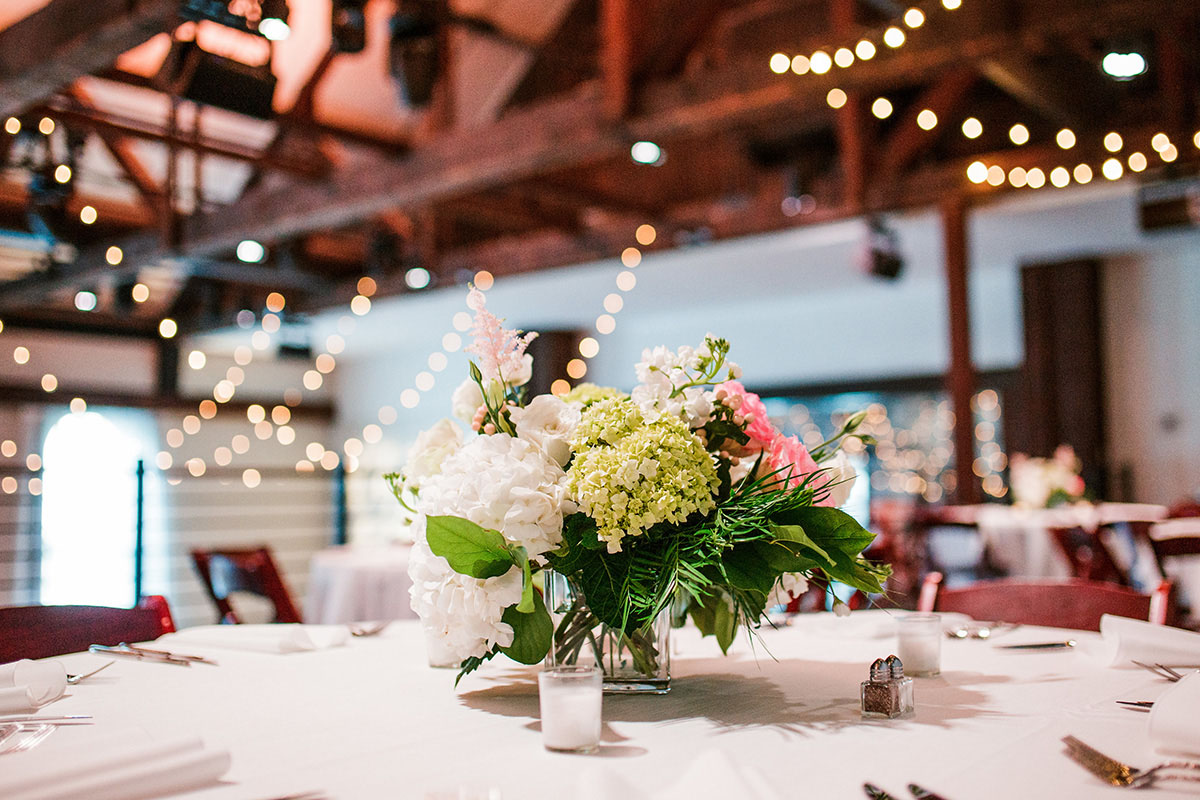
x: 224, y: 571
x: 1088, y: 556
x: 1072, y: 603
x: 44, y: 631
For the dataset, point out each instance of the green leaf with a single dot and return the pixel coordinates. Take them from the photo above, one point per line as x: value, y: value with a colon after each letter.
x: 783, y: 557
x: 832, y: 529
x: 527, y: 593
x: 796, y: 535
x: 747, y: 568
x: 725, y: 623
x: 473, y: 663
x: 705, y: 617
x: 470, y: 549
x: 533, y: 632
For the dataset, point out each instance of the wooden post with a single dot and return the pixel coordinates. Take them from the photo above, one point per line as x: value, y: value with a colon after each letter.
x: 616, y: 57
x: 960, y: 378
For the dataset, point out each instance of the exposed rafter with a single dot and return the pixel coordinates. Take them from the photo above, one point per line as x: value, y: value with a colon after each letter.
x: 68, y: 39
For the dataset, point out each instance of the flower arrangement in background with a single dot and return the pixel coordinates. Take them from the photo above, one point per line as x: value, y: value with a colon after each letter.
x: 1046, y: 482
x: 680, y: 489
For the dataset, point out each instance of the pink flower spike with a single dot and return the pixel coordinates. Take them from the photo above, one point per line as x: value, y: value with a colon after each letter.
x: 500, y: 351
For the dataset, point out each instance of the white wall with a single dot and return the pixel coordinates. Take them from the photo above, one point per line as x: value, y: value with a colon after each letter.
x: 797, y: 310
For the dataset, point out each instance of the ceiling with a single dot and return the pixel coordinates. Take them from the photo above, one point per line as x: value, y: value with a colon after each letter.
x: 521, y: 161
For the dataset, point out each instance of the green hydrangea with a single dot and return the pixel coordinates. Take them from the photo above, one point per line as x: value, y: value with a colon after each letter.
x: 589, y: 393
x: 629, y: 474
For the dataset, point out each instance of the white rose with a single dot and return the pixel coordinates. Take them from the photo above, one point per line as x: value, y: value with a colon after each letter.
x: 504, y: 484
x: 548, y: 422
x: 466, y: 400
x: 432, y: 447
x: 838, y: 476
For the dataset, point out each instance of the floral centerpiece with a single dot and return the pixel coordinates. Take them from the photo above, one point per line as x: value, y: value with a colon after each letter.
x: 1046, y: 482
x: 564, y: 527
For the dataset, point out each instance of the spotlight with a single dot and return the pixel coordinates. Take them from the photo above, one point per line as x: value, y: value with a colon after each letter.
x: 1123, y: 66
x: 251, y: 252
x: 349, y: 26
x: 882, y: 255
x: 214, y: 80
x: 85, y: 300
x: 647, y: 153
x: 274, y: 22
x: 413, y: 56
x: 417, y: 278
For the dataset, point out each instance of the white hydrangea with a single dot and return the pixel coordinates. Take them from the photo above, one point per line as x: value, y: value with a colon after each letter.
x: 461, y: 615
x: 504, y: 484
x: 426, y: 455
x: 549, y: 423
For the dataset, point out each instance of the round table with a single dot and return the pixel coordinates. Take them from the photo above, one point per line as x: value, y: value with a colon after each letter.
x: 353, y: 584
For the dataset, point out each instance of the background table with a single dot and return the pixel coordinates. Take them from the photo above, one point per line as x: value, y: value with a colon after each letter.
x: 371, y: 720
x: 348, y: 584
x: 1019, y: 540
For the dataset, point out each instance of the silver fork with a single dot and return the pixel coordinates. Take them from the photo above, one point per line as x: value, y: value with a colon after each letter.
x: 1117, y: 773
x: 36, y: 735
x: 74, y: 679
x: 1160, y: 671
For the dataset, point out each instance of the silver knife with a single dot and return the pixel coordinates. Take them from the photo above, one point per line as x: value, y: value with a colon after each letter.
x: 138, y: 654
x: 85, y: 719
x: 1037, y: 646
x: 875, y: 793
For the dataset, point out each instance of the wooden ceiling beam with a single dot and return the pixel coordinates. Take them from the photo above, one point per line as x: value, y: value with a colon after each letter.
x: 1017, y: 75
x: 67, y: 39
x: 571, y: 131
x: 909, y: 140
x: 616, y: 57
x: 72, y: 113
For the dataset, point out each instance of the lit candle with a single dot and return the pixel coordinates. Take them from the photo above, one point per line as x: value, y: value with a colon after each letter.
x: 920, y: 644
x: 570, y: 699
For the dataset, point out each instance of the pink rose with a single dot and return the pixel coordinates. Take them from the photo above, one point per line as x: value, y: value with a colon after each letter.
x: 789, y: 455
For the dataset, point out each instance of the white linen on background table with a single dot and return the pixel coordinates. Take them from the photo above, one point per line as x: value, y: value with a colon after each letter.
x: 351, y: 584
x: 1174, y: 722
x: 267, y: 638
x: 1124, y: 640
x: 371, y: 720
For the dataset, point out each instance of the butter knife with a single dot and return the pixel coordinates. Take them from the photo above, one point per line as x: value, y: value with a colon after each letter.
x: 1038, y: 646
x: 875, y: 793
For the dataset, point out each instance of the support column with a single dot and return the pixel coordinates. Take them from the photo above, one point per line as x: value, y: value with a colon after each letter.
x: 960, y: 378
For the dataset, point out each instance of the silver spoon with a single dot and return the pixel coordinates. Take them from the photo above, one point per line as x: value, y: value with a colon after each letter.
x: 74, y: 679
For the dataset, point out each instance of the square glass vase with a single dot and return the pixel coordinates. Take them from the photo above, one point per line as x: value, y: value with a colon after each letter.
x: 631, y: 663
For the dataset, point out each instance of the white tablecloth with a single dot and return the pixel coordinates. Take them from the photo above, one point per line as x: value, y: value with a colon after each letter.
x: 348, y: 584
x: 1018, y: 539
x: 371, y: 720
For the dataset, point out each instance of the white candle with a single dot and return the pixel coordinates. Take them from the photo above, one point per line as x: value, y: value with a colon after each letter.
x: 920, y: 644
x: 570, y: 701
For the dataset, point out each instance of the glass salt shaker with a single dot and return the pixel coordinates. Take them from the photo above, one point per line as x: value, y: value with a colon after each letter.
x: 887, y: 693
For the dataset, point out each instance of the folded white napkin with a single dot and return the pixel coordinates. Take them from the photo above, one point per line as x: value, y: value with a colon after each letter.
x: 27, y: 685
x: 120, y: 769
x: 1124, y: 640
x: 1174, y: 725
x: 274, y: 638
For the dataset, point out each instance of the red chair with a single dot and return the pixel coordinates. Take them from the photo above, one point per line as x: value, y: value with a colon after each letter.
x: 1071, y: 603
x: 252, y: 570
x: 1088, y: 555
x: 44, y: 631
